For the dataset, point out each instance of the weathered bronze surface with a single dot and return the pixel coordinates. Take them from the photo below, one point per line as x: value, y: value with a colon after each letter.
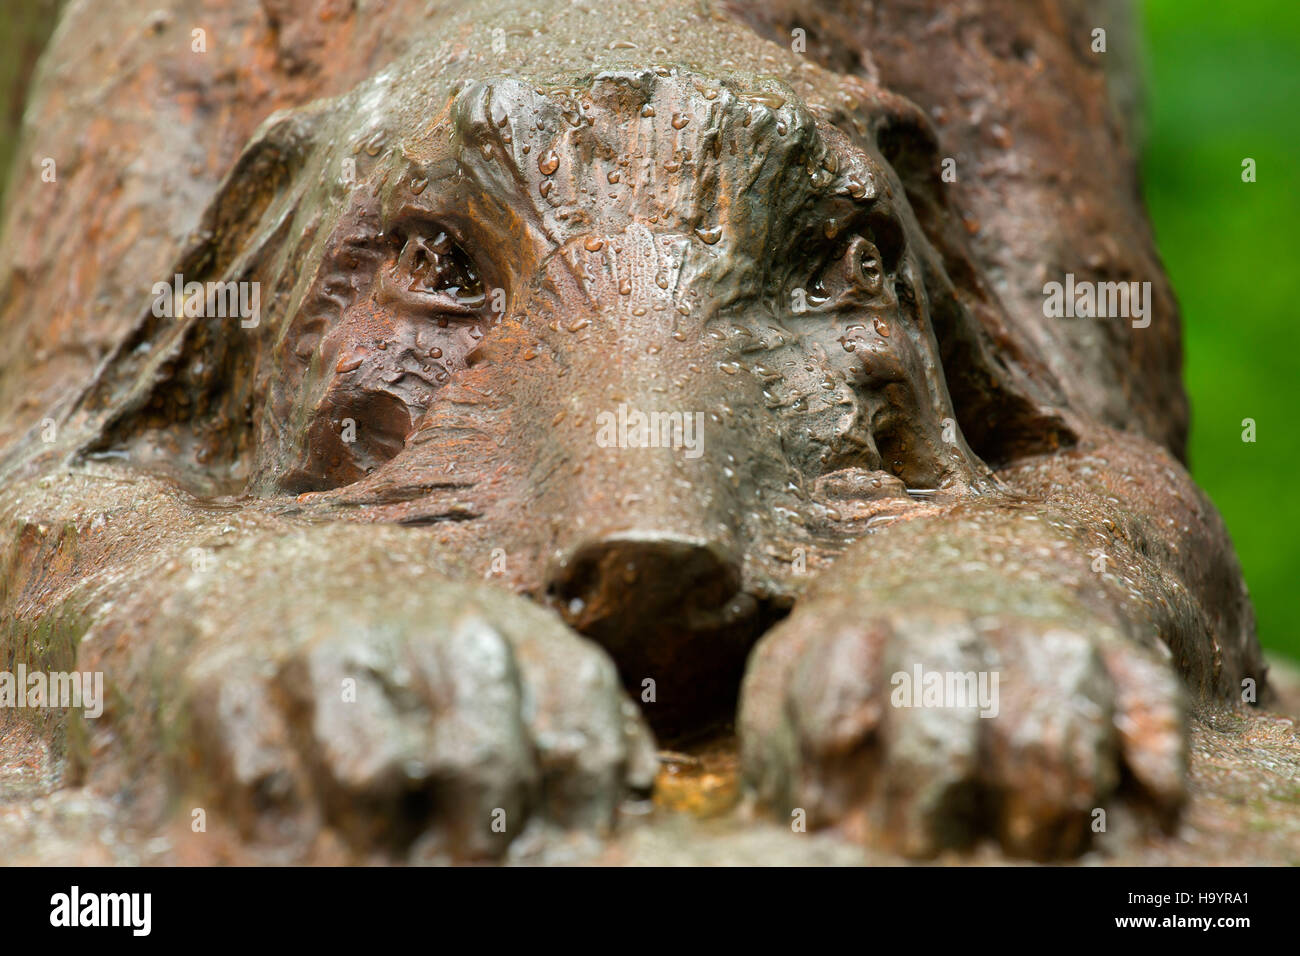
x: 478, y: 231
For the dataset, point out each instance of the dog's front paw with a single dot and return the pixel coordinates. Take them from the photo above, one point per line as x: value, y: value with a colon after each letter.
x: 921, y: 728
x: 415, y: 716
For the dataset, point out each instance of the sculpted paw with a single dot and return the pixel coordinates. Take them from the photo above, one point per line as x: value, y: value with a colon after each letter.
x: 927, y: 729
x: 441, y: 727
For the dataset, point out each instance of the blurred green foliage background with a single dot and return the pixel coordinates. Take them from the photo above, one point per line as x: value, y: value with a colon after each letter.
x: 1222, y: 85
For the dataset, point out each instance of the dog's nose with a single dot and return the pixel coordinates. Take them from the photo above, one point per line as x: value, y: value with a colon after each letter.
x: 620, y: 584
x: 663, y: 607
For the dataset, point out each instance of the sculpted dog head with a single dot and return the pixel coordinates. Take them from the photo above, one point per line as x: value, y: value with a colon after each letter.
x: 648, y: 339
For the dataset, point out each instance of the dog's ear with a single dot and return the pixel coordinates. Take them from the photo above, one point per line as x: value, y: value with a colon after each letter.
x: 1008, y: 404
x: 177, y: 392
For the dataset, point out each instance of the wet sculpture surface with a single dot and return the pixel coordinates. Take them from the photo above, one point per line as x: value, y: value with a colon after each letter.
x: 365, y: 562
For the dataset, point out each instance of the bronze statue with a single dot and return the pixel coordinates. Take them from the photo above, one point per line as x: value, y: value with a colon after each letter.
x: 414, y: 415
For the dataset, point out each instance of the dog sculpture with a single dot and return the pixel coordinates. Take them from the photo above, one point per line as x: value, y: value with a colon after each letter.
x: 537, y: 379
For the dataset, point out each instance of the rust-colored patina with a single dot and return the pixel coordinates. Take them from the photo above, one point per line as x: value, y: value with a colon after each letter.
x: 380, y: 558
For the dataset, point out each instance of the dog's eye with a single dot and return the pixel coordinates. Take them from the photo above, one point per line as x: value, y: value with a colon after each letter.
x: 434, y: 274
x: 438, y: 265
x: 865, y: 265
x: 855, y: 271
